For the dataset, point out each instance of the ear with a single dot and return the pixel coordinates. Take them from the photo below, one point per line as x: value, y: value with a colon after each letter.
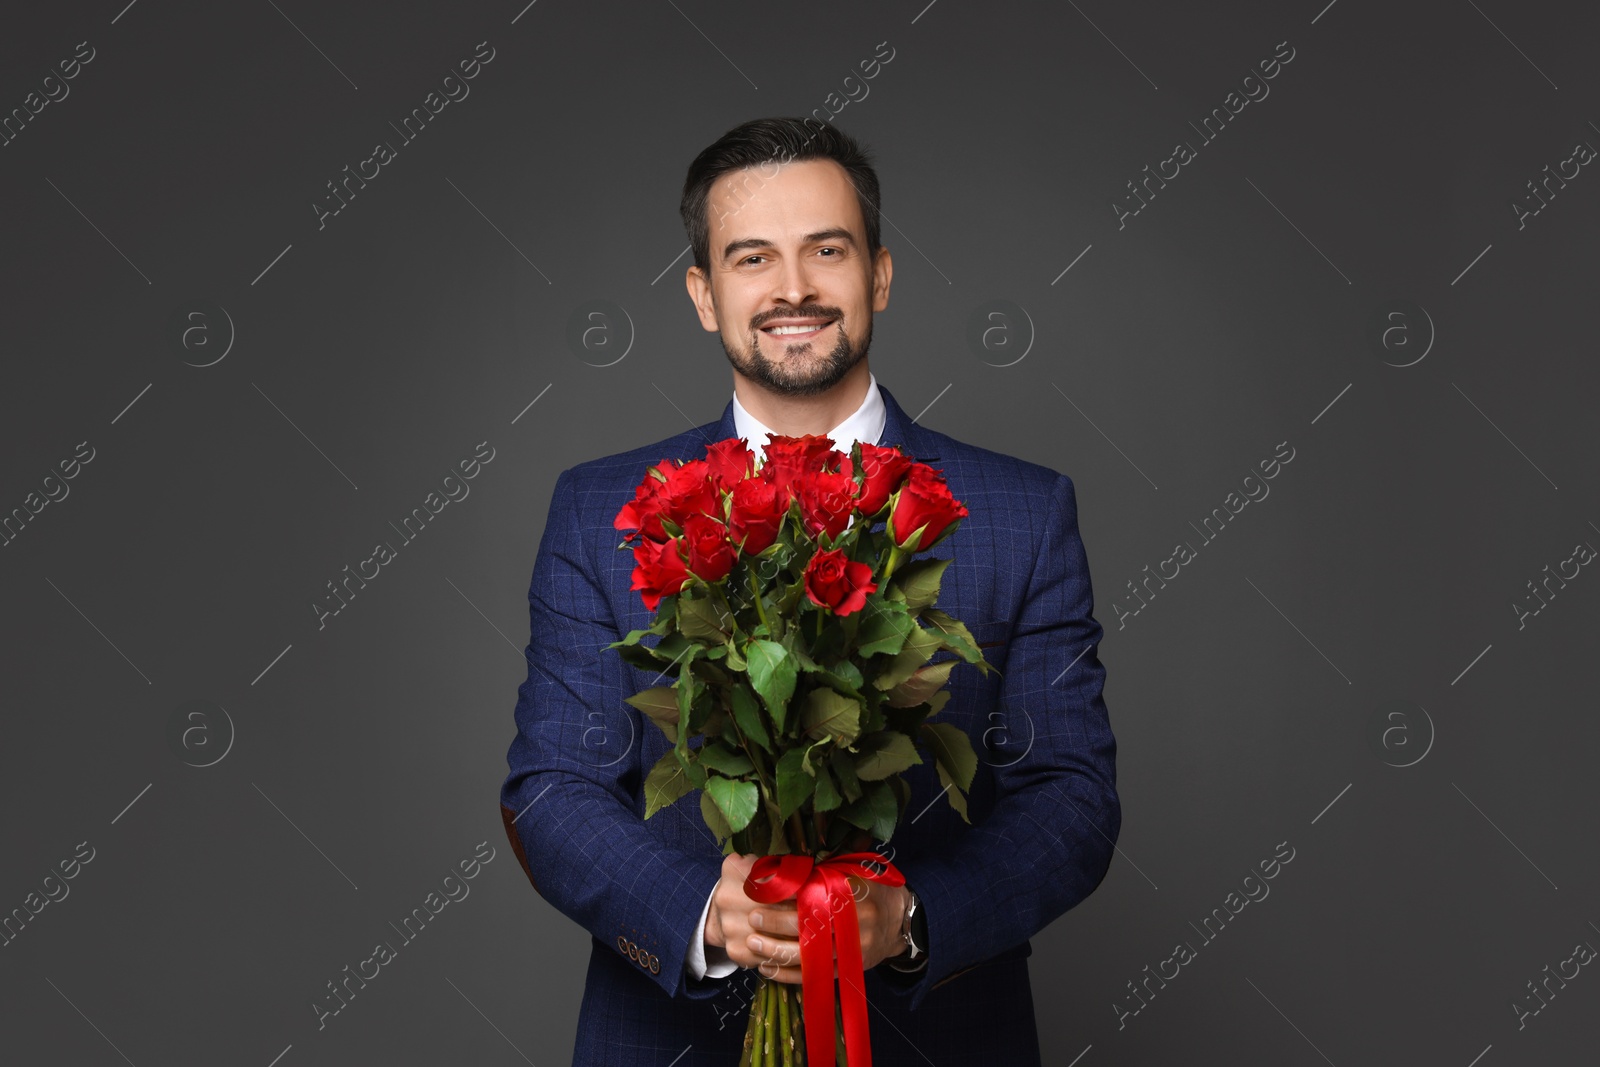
x: 704, y: 300
x: 882, y: 272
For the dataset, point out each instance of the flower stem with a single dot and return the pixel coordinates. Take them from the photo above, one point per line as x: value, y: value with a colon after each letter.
x: 758, y: 1025
x: 747, y: 1053
x: 896, y: 557
x: 798, y: 842
x: 755, y: 589
x: 798, y: 1021
x: 785, y: 1032
x: 774, y: 991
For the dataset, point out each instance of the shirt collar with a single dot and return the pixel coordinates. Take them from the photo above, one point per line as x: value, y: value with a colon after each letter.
x: 866, y: 424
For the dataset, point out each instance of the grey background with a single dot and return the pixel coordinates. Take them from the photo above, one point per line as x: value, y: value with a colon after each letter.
x: 1250, y: 697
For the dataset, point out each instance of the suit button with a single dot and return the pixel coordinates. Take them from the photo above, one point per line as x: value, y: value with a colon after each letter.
x: 655, y: 964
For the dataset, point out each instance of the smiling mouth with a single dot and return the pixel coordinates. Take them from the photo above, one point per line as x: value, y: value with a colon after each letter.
x: 799, y: 332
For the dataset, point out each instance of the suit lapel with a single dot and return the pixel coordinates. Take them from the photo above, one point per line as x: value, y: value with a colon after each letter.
x: 898, y: 429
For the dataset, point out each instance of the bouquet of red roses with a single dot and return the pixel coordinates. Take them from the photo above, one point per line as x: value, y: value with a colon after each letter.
x: 800, y: 628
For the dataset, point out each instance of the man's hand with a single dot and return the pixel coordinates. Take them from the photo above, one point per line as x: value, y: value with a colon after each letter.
x: 766, y: 937
x: 773, y: 947
x: 880, y: 909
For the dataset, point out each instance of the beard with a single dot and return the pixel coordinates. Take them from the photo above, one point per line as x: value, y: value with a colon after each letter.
x: 803, y: 371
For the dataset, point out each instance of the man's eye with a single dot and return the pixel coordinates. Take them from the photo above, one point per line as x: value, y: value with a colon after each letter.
x: 829, y: 249
x: 748, y: 259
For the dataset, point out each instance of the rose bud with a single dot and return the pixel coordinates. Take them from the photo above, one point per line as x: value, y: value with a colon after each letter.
x: 923, y: 504
x: 835, y: 582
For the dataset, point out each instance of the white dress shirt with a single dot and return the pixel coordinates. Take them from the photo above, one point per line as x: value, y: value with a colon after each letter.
x: 866, y: 424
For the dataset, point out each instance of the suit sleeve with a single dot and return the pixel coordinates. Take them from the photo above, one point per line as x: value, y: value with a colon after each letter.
x: 1049, y: 838
x: 572, y: 802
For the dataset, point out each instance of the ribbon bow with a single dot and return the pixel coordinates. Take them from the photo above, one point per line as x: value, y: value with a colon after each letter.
x: 822, y: 890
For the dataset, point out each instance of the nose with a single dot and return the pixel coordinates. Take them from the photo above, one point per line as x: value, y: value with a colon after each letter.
x: 793, y: 285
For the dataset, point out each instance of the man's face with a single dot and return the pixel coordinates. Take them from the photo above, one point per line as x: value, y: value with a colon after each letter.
x: 791, y: 288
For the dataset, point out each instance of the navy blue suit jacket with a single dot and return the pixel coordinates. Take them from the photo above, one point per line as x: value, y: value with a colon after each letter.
x: 1043, y: 804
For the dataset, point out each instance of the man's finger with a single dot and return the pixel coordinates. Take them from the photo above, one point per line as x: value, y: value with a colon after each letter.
x: 776, y: 948
x: 778, y: 922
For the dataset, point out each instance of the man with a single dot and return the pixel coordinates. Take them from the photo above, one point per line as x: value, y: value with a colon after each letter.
x: 788, y: 269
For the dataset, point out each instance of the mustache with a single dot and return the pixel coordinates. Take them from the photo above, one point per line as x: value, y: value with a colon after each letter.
x: 810, y: 311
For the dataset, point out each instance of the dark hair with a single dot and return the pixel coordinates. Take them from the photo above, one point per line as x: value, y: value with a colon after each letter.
x: 767, y: 141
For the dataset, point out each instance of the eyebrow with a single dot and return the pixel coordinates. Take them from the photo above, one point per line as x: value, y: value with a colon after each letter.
x: 836, y: 234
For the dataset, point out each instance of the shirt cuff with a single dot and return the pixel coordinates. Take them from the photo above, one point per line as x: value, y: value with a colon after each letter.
x: 703, y: 960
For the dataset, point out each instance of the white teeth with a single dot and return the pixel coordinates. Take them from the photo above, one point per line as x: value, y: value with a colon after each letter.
x: 782, y: 330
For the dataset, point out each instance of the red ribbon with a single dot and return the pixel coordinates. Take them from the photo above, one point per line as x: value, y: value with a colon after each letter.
x: 822, y: 891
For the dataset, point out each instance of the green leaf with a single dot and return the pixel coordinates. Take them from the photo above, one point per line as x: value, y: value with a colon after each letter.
x: 917, y: 583
x: 631, y: 639
x: 661, y: 705
x: 958, y: 799
x: 847, y: 672
x: 720, y: 758
x: 691, y: 767
x: 827, y: 797
x: 736, y: 800
x: 747, y: 713
x: 686, y: 694
x: 789, y: 599
x: 712, y: 673
x: 794, y: 783
x: 772, y: 672
x: 884, y: 753
x: 825, y: 713
x: 885, y: 627
x: 639, y: 656
x: 672, y: 648
x: 921, y: 686
x: 956, y: 637
x: 909, y: 720
x: 703, y: 709
x: 666, y: 782
x: 841, y: 683
x: 715, y: 821
x: 902, y: 791
x: 756, y: 838
x: 876, y: 812
x: 796, y: 644
x: 919, y: 648
x: 845, y: 770
x: 952, y: 748
x: 701, y: 620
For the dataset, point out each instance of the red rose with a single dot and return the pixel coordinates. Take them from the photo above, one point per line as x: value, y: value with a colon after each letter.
x: 838, y: 584
x: 885, y: 469
x: 643, y: 513
x: 756, y: 514
x: 711, y: 554
x: 924, y: 503
x: 791, y: 458
x: 731, y: 461
x: 658, y: 571
x: 688, y: 491
x: 826, y: 501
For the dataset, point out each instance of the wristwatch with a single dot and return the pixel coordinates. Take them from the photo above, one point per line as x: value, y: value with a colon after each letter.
x: 914, y: 928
